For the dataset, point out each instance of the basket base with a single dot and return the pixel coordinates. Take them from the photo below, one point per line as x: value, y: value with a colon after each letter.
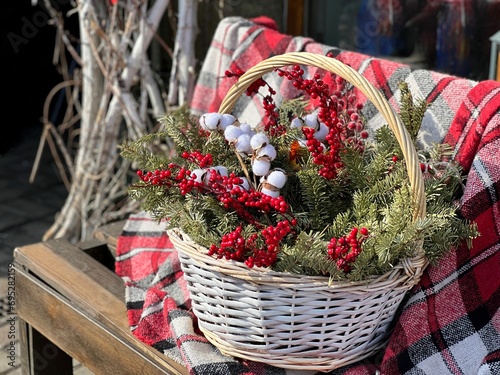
x: 293, y: 362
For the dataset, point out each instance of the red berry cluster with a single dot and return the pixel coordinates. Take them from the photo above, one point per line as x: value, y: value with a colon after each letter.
x: 271, y: 121
x: 234, y: 246
x: 254, y: 87
x: 177, y: 176
x: 338, y: 110
x: 203, y: 161
x: 271, y: 116
x: 173, y: 176
x: 247, y: 204
x: 226, y: 189
x: 330, y: 161
x: 345, y: 250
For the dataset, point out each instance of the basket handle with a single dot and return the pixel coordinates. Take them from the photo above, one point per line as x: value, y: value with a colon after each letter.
x: 357, y: 80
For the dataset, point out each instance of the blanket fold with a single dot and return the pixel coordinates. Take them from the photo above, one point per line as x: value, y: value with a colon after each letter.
x: 448, y: 324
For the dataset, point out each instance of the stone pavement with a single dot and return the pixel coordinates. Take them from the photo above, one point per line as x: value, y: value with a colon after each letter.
x: 26, y: 212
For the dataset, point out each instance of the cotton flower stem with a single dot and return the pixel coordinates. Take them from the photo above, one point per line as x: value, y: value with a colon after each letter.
x: 247, y: 175
x: 244, y: 167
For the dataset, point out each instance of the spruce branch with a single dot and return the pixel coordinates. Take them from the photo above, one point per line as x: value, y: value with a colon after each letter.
x: 412, y: 111
x: 370, y: 191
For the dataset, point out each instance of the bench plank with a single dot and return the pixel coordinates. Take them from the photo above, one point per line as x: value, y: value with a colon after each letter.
x: 39, y: 355
x: 91, y: 343
x: 89, y: 288
x: 109, y: 234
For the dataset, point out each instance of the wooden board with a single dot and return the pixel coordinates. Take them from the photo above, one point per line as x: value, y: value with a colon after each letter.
x: 78, y: 304
x: 109, y: 234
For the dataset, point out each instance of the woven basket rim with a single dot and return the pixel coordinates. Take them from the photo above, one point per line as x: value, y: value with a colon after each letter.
x: 407, y: 270
x: 410, y: 268
x: 403, y: 275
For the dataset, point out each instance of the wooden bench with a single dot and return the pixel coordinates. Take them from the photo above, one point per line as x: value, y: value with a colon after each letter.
x: 70, y: 304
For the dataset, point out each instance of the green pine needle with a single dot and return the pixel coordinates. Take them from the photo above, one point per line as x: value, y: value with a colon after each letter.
x: 372, y: 191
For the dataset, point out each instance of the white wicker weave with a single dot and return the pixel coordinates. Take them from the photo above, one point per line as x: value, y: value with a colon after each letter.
x: 293, y: 321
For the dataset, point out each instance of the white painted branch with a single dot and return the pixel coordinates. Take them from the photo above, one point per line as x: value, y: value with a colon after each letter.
x: 135, y: 59
x: 182, y: 75
x: 154, y: 93
x: 111, y: 68
x: 143, y: 41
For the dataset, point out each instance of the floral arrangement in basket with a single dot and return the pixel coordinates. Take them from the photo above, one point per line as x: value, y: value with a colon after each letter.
x: 306, y: 190
x: 300, y: 233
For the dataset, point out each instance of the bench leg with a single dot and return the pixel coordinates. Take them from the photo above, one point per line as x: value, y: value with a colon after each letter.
x: 39, y: 355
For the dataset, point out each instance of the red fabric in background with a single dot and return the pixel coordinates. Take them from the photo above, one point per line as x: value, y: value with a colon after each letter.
x: 448, y: 324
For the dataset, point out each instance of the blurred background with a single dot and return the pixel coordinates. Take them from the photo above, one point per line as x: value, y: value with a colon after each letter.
x: 450, y: 36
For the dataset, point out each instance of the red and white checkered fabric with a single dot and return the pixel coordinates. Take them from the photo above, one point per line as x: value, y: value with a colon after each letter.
x: 448, y: 324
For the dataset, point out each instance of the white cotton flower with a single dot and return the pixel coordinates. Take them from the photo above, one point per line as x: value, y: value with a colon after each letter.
x: 242, y: 144
x: 297, y: 122
x: 244, y: 183
x: 226, y: 120
x: 202, y: 122
x: 260, y: 167
x: 221, y: 170
x: 246, y: 128
x: 210, y: 121
x: 232, y: 133
x: 277, y: 178
x: 259, y: 140
x: 321, y: 133
x: 271, y: 192
x: 199, y: 173
x: 311, y: 121
x: 267, y: 152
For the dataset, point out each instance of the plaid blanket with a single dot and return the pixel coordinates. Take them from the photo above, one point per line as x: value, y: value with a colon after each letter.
x: 448, y: 324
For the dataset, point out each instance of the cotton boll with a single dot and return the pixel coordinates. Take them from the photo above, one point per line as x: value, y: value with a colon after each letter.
x: 271, y: 193
x: 297, y: 122
x: 259, y: 140
x: 245, y: 128
x: 322, y: 132
x: 277, y: 178
x: 202, y: 121
x: 267, y: 151
x: 311, y: 120
x: 200, y: 174
x: 242, y: 144
x: 260, y: 167
x: 212, y: 120
x: 251, y: 133
x: 244, y: 183
x: 221, y: 170
x: 226, y: 120
x: 232, y: 133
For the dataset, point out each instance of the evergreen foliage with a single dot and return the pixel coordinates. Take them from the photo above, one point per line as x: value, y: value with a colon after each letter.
x: 371, y: 191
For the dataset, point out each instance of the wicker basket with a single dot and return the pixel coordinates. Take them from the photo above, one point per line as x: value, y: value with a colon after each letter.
x: 293, y: 321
